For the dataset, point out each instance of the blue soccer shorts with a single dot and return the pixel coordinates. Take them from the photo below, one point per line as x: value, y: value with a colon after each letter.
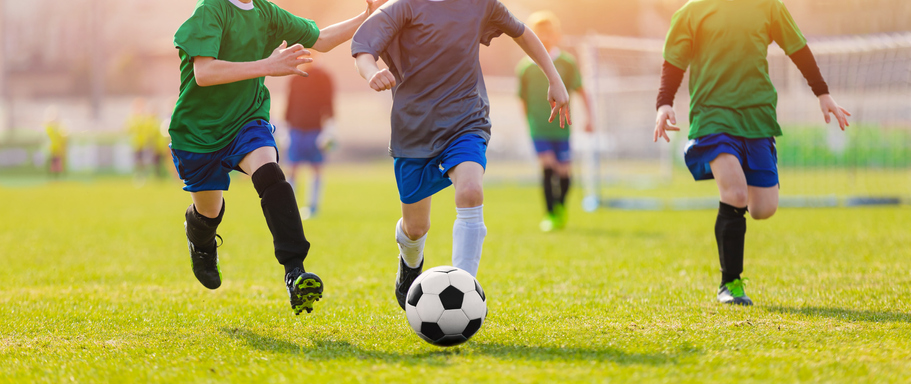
x: 758, y: 157
x: 418, y: 179
x: 560, y: 148
x: 210, y: 171
x: 304, y: 148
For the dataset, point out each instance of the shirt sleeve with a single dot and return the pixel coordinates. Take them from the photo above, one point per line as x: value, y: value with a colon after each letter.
x: 574, y: 81
x: 784, y: 30
x: 291, y: 28
x: 521, y: 69
x: 678, y: 46
x: 501, y: 21
x: 377, y: 32
x: 201, y: 34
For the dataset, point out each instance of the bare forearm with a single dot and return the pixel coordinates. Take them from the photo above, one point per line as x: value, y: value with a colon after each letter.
x: 588, y: 105
x: 335, y: 34
x: 366, y: 65
x: 532, y: 46
x: 209, y: 71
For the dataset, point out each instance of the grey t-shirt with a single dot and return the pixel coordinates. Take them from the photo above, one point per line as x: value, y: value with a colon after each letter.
x: 431, y: 47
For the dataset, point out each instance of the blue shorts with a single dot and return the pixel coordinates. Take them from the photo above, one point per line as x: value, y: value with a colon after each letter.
x: 303, y: 147
x: 210, y: 171
x: 758, y: 157
x: 560, y: 148
x: 419, y: 179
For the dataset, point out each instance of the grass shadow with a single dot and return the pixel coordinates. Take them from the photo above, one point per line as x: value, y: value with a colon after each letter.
x: 845, y: 314
x: 333, y: 349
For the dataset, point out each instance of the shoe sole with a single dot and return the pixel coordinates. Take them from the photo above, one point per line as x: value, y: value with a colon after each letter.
x: 308, y: 290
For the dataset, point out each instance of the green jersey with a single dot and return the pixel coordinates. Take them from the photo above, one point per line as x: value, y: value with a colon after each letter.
x: 533, y: 87
x: 725, y: 45
x: 207, y: 119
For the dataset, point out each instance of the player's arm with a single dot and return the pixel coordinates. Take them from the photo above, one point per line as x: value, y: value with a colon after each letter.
x: 589, y: 109
x: 556, y: 92
x: 283, y: 61
x: 671, y: 77
x: 379, y: 79
x: 806, y: 63
x: 335, y: 34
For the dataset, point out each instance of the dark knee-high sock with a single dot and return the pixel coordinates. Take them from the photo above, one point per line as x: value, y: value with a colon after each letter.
x: 282, y: 216
x: 548, y: 184
x: 564, y: 189
x: 730, y: 231
x: 201, y: 229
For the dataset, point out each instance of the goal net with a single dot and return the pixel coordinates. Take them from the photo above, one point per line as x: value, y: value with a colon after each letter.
x: 819, y: 165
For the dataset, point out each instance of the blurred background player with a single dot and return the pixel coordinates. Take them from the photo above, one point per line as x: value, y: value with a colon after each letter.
x: 309, y: 118
x: 550, y: 140
x: 143, y: 128
x: 57, y: 137
x: 440, y: 114
x: 221, y: 124
x: 733, y: 120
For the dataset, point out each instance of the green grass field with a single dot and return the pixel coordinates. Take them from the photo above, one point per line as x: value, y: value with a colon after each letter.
x: 97, y: 287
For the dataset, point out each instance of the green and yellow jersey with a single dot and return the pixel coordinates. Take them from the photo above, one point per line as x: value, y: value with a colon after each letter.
x: 725, y: 44
x: 57, y: 138
x: 533, y: 87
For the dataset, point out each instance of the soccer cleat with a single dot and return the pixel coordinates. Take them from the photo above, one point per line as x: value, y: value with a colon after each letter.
x: 549, y: 223
x: 404, y: 277
x: 304, y: 288
x: 559, y: 216
x: 732, y: 293
x: 205, y: 263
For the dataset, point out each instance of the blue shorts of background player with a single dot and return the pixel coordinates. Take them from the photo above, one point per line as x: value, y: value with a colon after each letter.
x: 418, y: 179
x: 211, y: 171
x: 560, y: 149
x: 303, y: 147
x: 758, y: 157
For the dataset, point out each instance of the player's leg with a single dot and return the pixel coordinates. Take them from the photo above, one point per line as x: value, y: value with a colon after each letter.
x: 763, y: 202
x: 548, y: 161
x: 410, y: 234
x: 563, y: 170
x: 468, y: 231
x: 202, y: 220
x: 730, y: 226
x: 316, y: 183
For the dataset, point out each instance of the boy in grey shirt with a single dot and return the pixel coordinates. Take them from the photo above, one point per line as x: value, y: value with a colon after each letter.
x: 440, y: 113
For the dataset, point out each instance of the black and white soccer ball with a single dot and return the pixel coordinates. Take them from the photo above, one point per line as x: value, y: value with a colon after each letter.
x: 446, y: 306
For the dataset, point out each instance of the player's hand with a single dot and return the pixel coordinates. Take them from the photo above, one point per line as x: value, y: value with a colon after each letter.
x: 828, y: 105
x: 382, y: 80
x: 589, y: 126
x: 373, y: 5
x: 559, y: 102
x: 665, y: 114
x: 284, y: 60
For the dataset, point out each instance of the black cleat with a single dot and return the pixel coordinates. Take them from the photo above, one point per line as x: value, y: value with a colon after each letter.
x: 304, y: 289
x: 732, y: 293
x: 205, y: 263
x: 404, y: 278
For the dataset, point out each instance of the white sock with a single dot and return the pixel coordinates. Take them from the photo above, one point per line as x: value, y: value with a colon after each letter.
x: 315, y: 191
x: 468, y: 238
x: 412, y: 251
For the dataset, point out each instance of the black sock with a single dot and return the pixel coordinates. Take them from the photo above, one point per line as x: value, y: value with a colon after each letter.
x: 730, y: 231
x: 282, y: 216
x: 548, y: 184
x: 564, y: 189
x: 201, y: 229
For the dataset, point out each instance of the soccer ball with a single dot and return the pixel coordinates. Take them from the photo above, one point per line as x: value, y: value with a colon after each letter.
x: 445, y: 306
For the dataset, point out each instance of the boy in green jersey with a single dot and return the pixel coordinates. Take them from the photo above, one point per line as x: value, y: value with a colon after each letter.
x: 221, y: 123
x: 733, y: 121
x: 551, y: 142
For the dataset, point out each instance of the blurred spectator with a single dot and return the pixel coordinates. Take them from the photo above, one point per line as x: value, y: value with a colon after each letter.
x: 309, y: 118
x: 57, y: 135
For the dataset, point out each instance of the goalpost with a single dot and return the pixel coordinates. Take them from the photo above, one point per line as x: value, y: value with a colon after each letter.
x: 869, y: 163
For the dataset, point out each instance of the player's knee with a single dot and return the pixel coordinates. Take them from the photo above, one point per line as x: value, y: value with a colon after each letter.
x: 762, y: 213
x: 471, y: 195
x: 736, y: 197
